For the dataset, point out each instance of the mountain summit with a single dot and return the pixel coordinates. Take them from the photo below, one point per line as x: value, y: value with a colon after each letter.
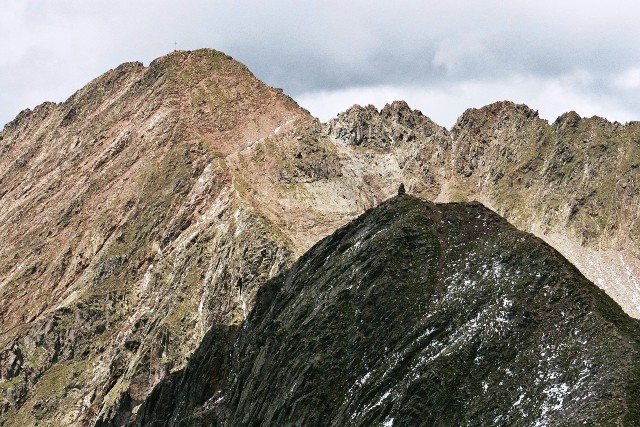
x: 127, y: 228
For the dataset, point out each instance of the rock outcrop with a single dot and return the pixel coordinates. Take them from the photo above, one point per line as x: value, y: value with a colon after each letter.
x: 368, y: 127
x: 575, y: 183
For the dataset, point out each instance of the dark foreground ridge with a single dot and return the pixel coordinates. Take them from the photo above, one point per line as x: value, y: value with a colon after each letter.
x: 416, y: 314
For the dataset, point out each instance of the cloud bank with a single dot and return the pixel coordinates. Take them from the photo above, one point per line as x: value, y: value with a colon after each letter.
x: 441, y: 57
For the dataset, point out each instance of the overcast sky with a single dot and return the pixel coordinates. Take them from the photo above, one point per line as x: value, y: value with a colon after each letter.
x: 441, y: 57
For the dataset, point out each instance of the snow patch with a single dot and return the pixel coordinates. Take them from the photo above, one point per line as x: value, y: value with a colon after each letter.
x: 147, y: 277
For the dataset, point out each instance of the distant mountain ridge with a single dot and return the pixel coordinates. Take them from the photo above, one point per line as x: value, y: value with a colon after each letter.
x: 154, y: 203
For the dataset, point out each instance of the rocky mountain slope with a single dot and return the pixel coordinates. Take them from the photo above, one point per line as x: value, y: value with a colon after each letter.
x: 153, y: 204
x: 575, y: 183
x: 417, y: 314
x: 127, y: 232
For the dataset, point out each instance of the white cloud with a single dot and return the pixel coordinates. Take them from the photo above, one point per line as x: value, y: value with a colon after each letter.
x: 630, y: 79
x: 318, y: 50
x: 457, y: 55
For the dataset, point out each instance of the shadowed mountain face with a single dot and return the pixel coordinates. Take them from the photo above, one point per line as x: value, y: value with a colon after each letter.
x: 417, y: 314
x: 153, y: 204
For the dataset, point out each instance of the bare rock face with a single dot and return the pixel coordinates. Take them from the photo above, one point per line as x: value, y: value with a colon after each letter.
x: 154, y: 203
x: 368, y: 127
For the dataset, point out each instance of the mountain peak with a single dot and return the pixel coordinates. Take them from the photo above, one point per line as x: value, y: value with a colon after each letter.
x: 417, y: 314
x: 568, y: 119
x: 154, y: 203
x: 497, y: 111
x: 396, y: 123
x: 202, y: 60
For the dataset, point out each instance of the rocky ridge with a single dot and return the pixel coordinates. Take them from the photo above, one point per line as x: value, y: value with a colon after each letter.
x: 154, y: 203
x: 417, y: 314
x: 573, y: 183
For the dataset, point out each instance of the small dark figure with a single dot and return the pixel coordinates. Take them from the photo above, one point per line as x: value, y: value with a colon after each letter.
x: 401, y: 189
